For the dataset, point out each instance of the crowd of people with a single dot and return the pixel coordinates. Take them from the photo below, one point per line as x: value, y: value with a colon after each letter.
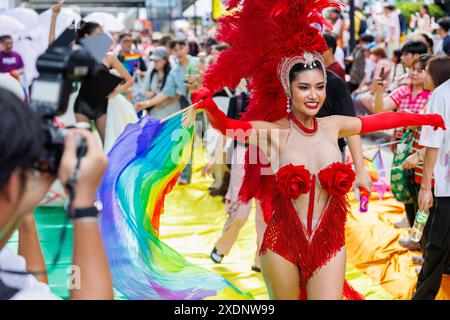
x: 395, y: 66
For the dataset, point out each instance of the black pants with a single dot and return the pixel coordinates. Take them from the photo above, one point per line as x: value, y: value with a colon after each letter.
x: 436, y: 252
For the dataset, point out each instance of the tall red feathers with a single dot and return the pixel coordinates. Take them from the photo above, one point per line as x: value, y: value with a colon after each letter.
x: 260, y: 34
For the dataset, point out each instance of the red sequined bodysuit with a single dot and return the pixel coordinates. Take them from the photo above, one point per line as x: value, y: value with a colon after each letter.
x: 311, y: 186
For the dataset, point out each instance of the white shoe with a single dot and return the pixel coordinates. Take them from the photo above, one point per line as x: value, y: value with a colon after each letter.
x: 402, y: 223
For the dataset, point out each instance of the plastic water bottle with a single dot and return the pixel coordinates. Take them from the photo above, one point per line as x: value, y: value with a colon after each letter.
x: 419, y: 225
x: 364, y: 196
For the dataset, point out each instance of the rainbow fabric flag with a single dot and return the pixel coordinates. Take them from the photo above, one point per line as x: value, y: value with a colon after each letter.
x: 144, y: 166
x: 374, y: 162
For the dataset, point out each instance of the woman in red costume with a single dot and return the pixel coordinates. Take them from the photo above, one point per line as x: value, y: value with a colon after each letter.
x: 303, y: 253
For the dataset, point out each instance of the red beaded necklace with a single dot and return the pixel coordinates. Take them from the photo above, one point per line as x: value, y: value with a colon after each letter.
x: 302, y: 127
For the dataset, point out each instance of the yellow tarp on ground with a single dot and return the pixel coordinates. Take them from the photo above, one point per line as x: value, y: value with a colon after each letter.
x: 377, y: 266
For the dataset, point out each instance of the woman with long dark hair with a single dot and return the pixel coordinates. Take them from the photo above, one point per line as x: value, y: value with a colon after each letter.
x: 154, y: 82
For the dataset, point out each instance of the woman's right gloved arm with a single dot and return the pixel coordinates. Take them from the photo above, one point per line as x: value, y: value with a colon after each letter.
x: 235, y: 129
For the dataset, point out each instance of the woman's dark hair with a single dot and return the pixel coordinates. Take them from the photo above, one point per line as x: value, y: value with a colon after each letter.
x: 444, y: 23
x: 177, y: 42
x: 379, y: 51
x: 398, y: 55
x: 427, y: 9
x: 429, y: 41
x: 167, y: 68
x: 367, y: 38
x: 414, y: 47
x: 423, y: 60
x: 439, y: 69
x: 194, y: 49
x: 123, y: 35
x: 85, y: 28
x: 331, y: 40
x: 21, y: 136
x: 300, y: 67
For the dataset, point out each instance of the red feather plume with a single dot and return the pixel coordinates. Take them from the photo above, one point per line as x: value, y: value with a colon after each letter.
x: 261, y: 33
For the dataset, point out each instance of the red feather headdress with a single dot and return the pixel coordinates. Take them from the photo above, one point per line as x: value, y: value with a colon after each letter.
x: 261, y: 34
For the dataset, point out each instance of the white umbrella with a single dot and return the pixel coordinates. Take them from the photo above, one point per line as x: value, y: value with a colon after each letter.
x: 11, y: 26
x: 28, y: 17
x: 65, y: 19
x: 109, y: 22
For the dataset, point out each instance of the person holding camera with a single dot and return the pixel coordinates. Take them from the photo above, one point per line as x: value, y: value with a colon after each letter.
x: 22, y: 188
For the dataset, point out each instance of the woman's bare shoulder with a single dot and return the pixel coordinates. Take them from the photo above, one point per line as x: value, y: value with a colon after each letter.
x: 279, y: 124
x: 329, y: 120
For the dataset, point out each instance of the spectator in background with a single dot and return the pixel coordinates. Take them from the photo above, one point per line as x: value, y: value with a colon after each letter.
x: 338, y: 25
x: 165, y: 42
x: 194, y: 49
x: 423, y: 20
x: 444, y: 27
x: 365, y: 95
x: 132, y: 61
x: 446, y: 48
x: 411, y: 51
x: 155, y: 81
x: 209, y: 44
x: 360, y: 23
x: 437, y: 144
x: 403, y: 26
x: 330, y: 62
x: 10, y: 61
x: 393, y: 31
x: 178, y: 85
x: 398, y: 72
x: 357, y: 60
x: 410, y: 98
x: 425, y: 38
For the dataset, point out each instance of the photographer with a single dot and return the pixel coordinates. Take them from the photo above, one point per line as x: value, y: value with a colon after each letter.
x: 21, y: 190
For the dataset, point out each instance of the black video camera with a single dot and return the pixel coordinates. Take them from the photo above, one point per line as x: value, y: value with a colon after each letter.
x: 58, y: 67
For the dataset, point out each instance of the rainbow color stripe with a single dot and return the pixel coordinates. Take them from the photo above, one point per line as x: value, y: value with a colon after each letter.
x: 131, y: 62
x: 144, y: 166
x: 376, y: 164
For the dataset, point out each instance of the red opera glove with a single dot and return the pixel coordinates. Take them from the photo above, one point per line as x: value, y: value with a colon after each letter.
x: 235, y: 129
x: 391, y: 120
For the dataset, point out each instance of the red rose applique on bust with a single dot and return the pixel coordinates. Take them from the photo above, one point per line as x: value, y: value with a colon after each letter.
x: 292, y: 181
x: 337, y: 179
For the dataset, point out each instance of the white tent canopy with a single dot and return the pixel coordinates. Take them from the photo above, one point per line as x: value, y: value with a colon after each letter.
x: 203, y: 9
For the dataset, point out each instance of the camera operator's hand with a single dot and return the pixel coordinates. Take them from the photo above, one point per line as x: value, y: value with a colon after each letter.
x: 88, y: 251
x: 38, y: 185
x: 92, y: 167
